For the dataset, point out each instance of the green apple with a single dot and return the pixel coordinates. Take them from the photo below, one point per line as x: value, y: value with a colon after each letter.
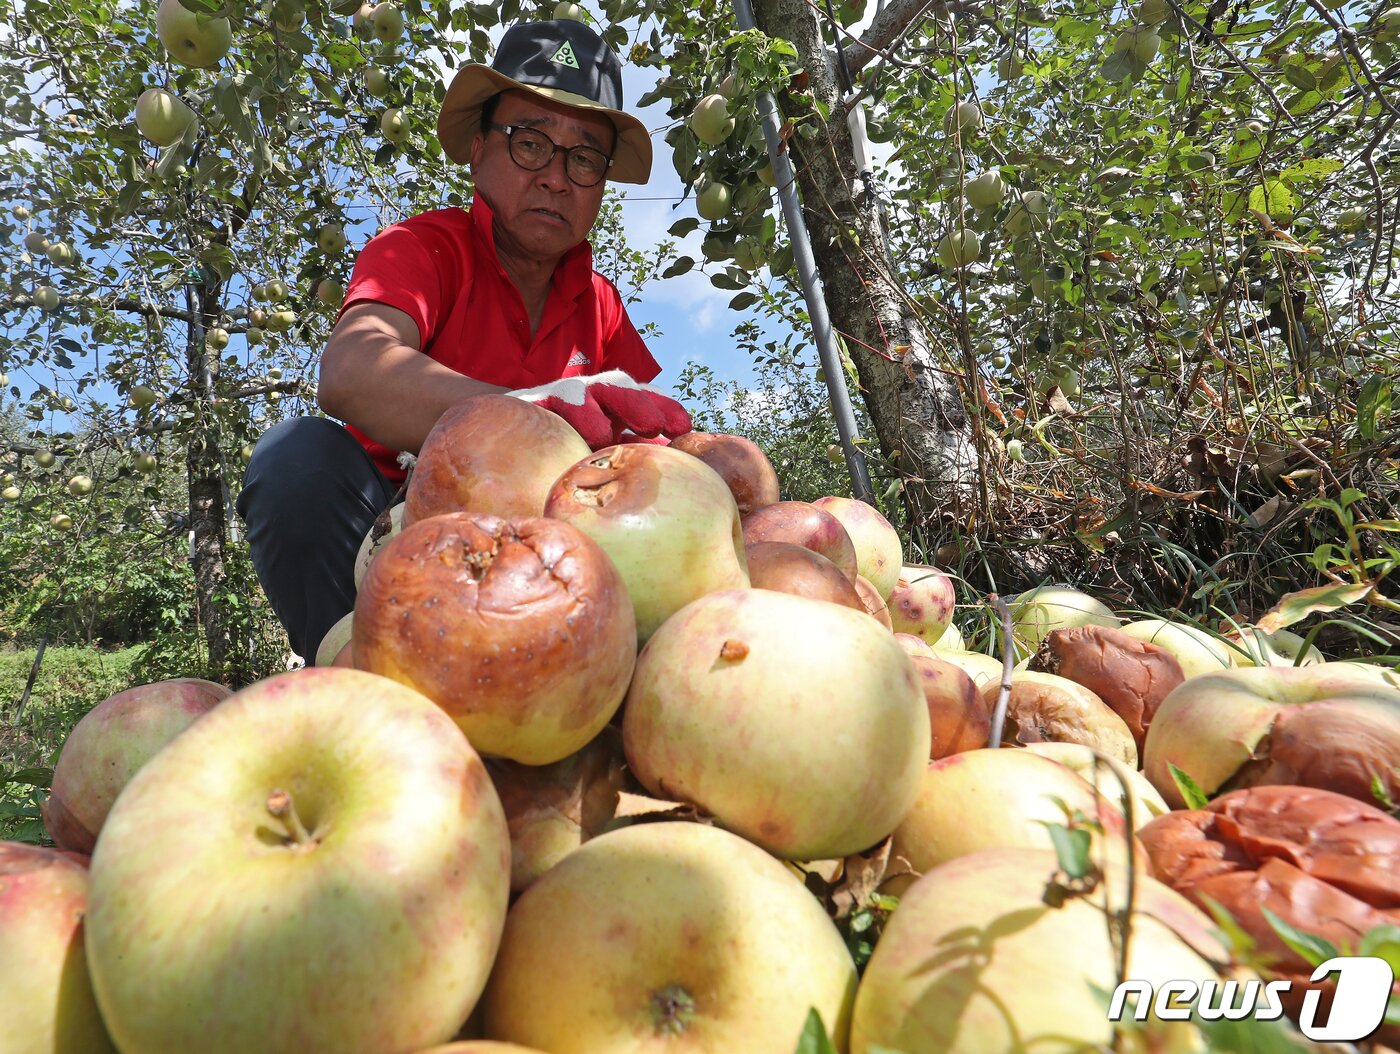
x: 1387, y: 25
x: 253, y: 334
x: 393, y: 125
x: 986, y: 190
x: 1010, y: 65
x: 330, y: 292
x: 1042, y: 609
x: 141, y: 397
x: 36, y: 242
x: 281, y: 321
x: 765, y: 174
x: 713, y: 202
x: 191, y: 39
x: 376, y: 82
x: 80, y: 485
x: 710, y: 120
x: 258, y: 292
x: 20, y: 212
x: 144, y: 463
x: 257, y: 316
x: 362, y: 21
x: 48, y: 999
x: 216, y: 338
x: 388, y: 23
x: 567, y: 10
x: 330, y: 239
x: 10, y: 493
x: 1032, y: 209
x: 1016, y: 450
x: 61, y: 254
x: 245, y: 453
x: 276, y: 290
x: 963, y: 116
x: 275, y: 373
x: 61, y: 521
x: 318, y: 864
x: 46, y: 296
x: 162, y: 117
x: 959, y: 248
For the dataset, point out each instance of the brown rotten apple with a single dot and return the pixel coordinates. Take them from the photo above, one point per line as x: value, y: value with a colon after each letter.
x: 666, y: 519
x: 104, y: 750
x: 520, y: 629
x: 801, y: 523
x: 1332, y: 725
x: 1044, y: 708
x: 799, y: 724
x: 740, y: 462
x: 789, y: 568
x: 492, y: 454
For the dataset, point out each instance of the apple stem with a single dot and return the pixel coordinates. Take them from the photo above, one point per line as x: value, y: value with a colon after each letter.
x: 281, y: 806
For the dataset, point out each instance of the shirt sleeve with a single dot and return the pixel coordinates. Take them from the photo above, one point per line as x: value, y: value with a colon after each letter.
x: 623, y: 348
x: 401, y: 269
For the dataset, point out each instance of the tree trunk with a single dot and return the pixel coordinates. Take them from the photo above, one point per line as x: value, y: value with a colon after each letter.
x: 913, y: 399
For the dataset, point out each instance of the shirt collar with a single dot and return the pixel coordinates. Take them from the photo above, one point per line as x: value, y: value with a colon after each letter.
x: 573, y: 274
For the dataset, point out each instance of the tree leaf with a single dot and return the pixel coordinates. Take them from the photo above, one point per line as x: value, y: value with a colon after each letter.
x: 1295, y: 607
x: 1314, y: 949
x: 814, y: 1038
x: 1188, y: 788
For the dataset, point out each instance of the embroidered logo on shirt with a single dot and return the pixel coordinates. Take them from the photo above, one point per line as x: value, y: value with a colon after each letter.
x: 578, y: 358
x: 565, y: 55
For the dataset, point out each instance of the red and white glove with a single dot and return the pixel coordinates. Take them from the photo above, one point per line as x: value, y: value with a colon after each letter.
x: 611, y: 407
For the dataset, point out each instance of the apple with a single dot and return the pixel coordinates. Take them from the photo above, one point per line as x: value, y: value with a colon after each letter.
x: 566, y: 10
x: 914, y: 647
x: 377, y: 82
x: 362, y: 21
x: 922, y: 602
x: 49, y: 1004
x: 1110, y: 778
x: 1153, y: 12
x: 879, y: 552
x: 983, y: 669
x: 873, y: 603
x: 958, y: 715
x: 276, y: 290
x: 804, y: 524
x: 551, y: 810
x: 492, y: 454
x: 1036, y: 612
x: 959, y: 248
x: 520, y: 629
x: 36, y: 242
x: 742, y: 695
x: 1032, y: 208
x: 61, y: 521
x: 1044, y: 707
x: 216, y: 337
x: 1195, y: 650
x: 10, y: 493
x: 991, y: 952
x: 144, y: 463
x: 281, y: 321
x: 80, y: 485
x: 245, y: 453
x: 740, y: 462
x: 192, y: 39
x: 1251, y: 646
x: 667, y: 935
x: 335, y: 640
x: 962, y: 115
x: 376, y: 538
x: 713, y: 201
x: 985, y: 191
x: 330, y: 239
x: 162, y: 117
x: 20, y: 212
x: 357, y: 855
x: 997, y: 798
x: 665, y: 518
x: 952, y: 639
x: 330, y: 292
x: 46, y: 297
x: 253, y: 335
x: 45, y: 458
x: 789, y: 568
x: 141, y: 397
x: 388, y: 23
x: 1387, y: 25
x: 710, y: 120
x: 393, y: 125
x: 61, y: 254
x: 1010, y: 65
x: 1333, y: 726
x: 109, y: 745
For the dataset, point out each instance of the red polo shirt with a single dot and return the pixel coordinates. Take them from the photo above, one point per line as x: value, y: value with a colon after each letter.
x: 441, y: 269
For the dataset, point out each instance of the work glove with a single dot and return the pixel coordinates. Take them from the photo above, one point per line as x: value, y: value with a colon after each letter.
x: 611, y: 407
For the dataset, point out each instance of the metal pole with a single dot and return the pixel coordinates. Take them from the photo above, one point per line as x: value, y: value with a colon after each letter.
x: 811, y: 284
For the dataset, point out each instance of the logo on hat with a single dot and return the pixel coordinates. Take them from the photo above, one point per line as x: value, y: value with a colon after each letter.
x: 565, y: 56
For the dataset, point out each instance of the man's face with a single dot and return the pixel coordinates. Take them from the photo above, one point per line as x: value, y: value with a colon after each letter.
x: 539, y: 214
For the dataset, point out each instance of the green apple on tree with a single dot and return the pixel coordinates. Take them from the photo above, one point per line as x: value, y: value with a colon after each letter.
x: 253, y: 334
x: 281, y: 321
x: 376, y: 82
x: 959, y: 248
x: 713, y: 202
x: 61, y: 254
x: 393, y: 125
x: 192, y: 39
x: 330, y: 292
x: 276, y: 290
x: 10, y: 493
x: 330, y: 239
x: 1387, y: 25
x: 985, y: 190
x: 80, y: 485
x: 141, y: 397
x: 46, y: 296
x: 20, y: 212
x: 1010, y: 65
x: 388, y: 23
x: 61, y: 521
x: 217, y: 338
x: 710, y: 120
x: 1032, y: 208
x: 144, y: 463
x: 963, y: 116
x: 568, y: 10
x: 36, y: 242
x: 161, y: 117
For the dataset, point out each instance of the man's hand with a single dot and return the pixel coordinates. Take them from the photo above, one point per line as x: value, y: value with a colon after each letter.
x: 603, y: 407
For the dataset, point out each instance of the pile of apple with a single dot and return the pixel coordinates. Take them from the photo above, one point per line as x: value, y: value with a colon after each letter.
x: 600, y: 725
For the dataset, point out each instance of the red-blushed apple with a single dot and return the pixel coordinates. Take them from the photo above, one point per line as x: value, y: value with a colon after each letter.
x: 553, y: 809
x: 493, y: 454
x: 989, y: 952
x: 319, y: 865
x: 668, y: 936
x: 873, y: 603
x: 1329, y: 726
x: 740, y: 462
x: 801, y: 523
x: 789, y: 568
x: 520, y: 629
x: 986, y: 799
x: 111, y: 742
x: 46, y: 1000
x: 915, y: 646
x: 958, y: 714
x: 1131, y: 676
x: 387, y: 526
x: 922, y: 602
x: 666, y: 519
x: 336, y: 640
x: 1036, y: 612
x: 879, y: 552
x: 1110, y: 777
x: 742, y: 696
x: 1046, y: 708
x: 1195, y: 650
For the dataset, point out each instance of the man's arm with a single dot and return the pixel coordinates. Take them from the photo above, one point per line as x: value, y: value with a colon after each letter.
x: 374, y: 376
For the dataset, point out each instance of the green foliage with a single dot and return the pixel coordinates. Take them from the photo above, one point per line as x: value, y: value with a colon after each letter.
x: 814, y: 1038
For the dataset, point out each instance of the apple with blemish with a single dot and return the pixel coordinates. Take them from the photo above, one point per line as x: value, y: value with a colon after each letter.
x: 879, y: 552
x: 959, y: 717
x: 802, y: 523
x: 922, y: 602
x: 789, y: 568
x: 873, y: 603
x: 740, y: 462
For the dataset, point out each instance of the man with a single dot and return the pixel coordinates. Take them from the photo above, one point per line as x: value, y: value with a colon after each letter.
x: 501, y: 298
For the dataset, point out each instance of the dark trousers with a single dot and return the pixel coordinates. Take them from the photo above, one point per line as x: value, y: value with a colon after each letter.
x: 310, y: 496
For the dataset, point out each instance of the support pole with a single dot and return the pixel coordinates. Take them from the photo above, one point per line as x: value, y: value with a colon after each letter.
x: 811, y: 283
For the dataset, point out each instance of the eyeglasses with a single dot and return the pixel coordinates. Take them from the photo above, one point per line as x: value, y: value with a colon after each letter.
x: 532, y: 150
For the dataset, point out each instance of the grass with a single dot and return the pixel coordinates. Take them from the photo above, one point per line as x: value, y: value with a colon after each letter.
x: 71, y: 682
